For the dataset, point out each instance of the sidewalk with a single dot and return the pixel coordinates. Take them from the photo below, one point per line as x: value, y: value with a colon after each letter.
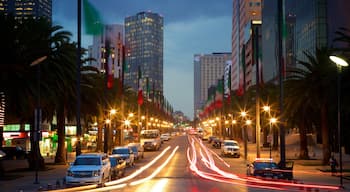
x: 306, y: 171
x: 19, y: 178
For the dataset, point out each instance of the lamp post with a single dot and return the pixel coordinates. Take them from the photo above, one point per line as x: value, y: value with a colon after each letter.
x: 340, y: 62
x: 248, y: 123
x: 272, y: 121
x: 245, y: 135
x: 37, y: 118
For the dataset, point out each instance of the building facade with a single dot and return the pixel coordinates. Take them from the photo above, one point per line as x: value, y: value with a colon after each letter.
x: 144, y: 45
x: 113, y: 39
x: 27, y: 9
x: 208, y: 69
x: 244, y: 11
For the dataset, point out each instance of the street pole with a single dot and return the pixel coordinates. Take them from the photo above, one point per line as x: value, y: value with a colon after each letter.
x: 281, y: 68
x: 257, y: 99
x: 339, y: 62
x: 79, y: 131
x: 138, y: 122
x: 339, y: 128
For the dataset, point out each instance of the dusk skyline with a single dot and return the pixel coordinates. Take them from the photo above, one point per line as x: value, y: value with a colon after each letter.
x: 201, y: 27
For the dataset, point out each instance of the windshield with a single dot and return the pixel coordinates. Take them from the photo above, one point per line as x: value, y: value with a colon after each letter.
x: 230, y: 144
x: 265, y: 165
x: 149, y: 135
x: 87, y: 161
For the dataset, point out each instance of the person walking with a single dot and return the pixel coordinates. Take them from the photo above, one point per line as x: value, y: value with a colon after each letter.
x: 333, y: 163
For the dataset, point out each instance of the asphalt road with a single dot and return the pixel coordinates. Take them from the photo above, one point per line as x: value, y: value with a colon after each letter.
x: 186, y: 163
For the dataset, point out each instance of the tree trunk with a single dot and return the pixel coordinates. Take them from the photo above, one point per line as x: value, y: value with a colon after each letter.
x: 325, y: 136
x: 35, y: 160
x: 99, y: 137
x: 304, y: 152
x: 61, y: 148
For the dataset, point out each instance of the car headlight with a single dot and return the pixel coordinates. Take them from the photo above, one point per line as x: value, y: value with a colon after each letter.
x: 70, y: 173
x: 96, y: 173
x: 154, y: 143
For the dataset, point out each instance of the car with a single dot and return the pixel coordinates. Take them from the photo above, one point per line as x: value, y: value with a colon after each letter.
x: 262, y: 167
x: 216, y: 143
x: 89, y: 168
x: 136, y: 152
x: 230, y: 148
x: 165, y: 137
x: 118, y: 165
x: 211, y: 139
x: 15, y: 152
x: 140, y: 150
x: 126, y: 153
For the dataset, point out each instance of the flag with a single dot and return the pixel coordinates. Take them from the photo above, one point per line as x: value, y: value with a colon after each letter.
x: 92, y: 20
x: 139, y: 95
x: 219, y: 94
x: 109, y: 65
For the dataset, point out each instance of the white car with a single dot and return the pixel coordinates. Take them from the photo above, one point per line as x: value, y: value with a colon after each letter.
x: 231, y: 148
x: 89, y: 168
x: 165, y: 137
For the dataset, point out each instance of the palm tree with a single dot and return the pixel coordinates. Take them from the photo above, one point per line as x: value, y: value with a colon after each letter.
x: 24, y: 42
x: 310, y: 89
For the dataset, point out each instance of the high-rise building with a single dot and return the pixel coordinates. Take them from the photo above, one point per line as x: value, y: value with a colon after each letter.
x: 112, y: 38
x: 144, y: 45
x: 244, y: 12
x: 309, y: 25
x: 24, y: 9
x: 208, y: 69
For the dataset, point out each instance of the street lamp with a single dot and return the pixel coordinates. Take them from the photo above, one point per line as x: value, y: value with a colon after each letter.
x: 340, y: 62
x: 37, y: 117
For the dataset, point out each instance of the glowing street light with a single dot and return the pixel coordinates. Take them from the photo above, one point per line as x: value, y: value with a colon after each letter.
x: 340, y: 62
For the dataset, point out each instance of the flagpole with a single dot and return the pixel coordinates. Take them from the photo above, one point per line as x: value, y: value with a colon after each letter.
x: 79, y: 132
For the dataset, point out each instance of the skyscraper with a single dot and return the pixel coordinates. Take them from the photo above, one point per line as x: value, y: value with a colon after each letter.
x: 144, y: 47
x: 24, y: 9
x: 208, y: 69
x: 244, y: 11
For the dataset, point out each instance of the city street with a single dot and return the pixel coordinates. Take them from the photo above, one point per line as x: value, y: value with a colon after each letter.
x: 185, y: 163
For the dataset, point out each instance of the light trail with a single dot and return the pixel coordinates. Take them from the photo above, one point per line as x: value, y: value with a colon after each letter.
x: 225, y: 177
x: 115, y: 183
x: 157, y: 170
x: 139, y: 171
x: 154, y: 173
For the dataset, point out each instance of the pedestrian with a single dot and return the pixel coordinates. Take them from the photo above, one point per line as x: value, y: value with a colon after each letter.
x: 333, y: 163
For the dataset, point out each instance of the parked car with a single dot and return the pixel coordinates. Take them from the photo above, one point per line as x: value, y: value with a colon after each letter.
x: 15, y: 152
x: 89, y: 168
x: 118, y: 165
x: 165, y: 137
x: 268, y: 168
x: 211, y: 139
x: 126, y: 153
x: 216, y: 143
x: 140, y: 150
x: 231, y: 148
